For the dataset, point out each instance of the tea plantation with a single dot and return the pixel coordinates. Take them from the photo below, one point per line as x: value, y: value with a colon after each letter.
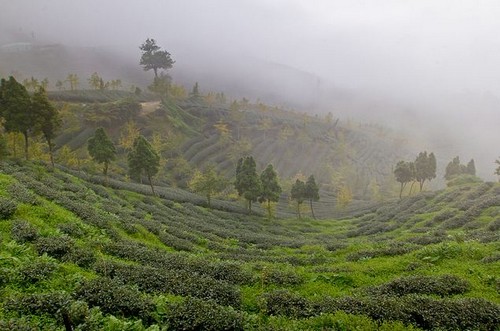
x: 78, y: 255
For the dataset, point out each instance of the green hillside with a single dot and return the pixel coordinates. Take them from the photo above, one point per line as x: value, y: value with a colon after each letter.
x: 191, y: 133
x: 78, y: 255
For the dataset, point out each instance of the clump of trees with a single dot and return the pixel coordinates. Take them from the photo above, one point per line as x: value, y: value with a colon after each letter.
x: 308, y: 191
x: 28, y: 115
x: 249, y: 185
x: 455, y: 168
x: 419, y: 171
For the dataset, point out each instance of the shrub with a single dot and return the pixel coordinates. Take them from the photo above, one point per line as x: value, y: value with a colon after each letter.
x: 82, y: 257
x: 54, y: 246
x: 22, y: 194
x: 7, y: 208
x: 37, y: 271
x: 22, y: 231
x: 195, y: 314
x: 71, y: 229
x: 281, y: 277
x: 37, y: 303
x: 285, y: 303
x: 114, y: 298
x: 443, y: 285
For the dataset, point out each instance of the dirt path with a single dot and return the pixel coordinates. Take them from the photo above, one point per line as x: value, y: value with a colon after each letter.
x: 149, y: 107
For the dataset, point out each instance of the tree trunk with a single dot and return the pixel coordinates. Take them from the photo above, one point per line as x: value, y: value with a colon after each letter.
x: 156, y: 72
x: 151, y: 184
x: 105, y: 172
x: 51, y: 152
x: 422, y: 185
x: 269, y: 209
x: 411, y: 187
x: 26, y: 155
x: 312, y: 210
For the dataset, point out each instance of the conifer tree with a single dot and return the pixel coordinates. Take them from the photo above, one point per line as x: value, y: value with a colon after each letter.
x: 298, y: 194
x: 101, y: 149
x: 471, y: 168
x: 48, y: 119
x: 143, y: 159
x: 311, y: 192
x: 248, y: 182
x: 16, y: 110
x: 271, y: 189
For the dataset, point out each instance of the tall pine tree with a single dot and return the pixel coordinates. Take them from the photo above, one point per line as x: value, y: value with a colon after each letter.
x: 271, y: 189
x: 247, y: 181
x: 311, y: 192
x: 143, y: 159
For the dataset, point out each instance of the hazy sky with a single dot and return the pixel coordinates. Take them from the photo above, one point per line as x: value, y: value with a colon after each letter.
x: 435, y: 56
x: 435, y: 44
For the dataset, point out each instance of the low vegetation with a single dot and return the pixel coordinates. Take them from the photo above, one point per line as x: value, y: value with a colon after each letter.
x: 76, y: 253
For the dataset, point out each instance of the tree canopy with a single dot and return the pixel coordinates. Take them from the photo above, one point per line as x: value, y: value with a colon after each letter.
x: 101, y: 149
x: 298, y: 194
x: 405, y: 173
x: 48, y: 119
x: 311, y: 192
x: 425, y: 168
x: 208, y: 183
x: 143, y: 159
x: 154, y: 58
x: 455, y: 168
x: 247, y: 181
x: 271, y: 188
x: 16, y: 109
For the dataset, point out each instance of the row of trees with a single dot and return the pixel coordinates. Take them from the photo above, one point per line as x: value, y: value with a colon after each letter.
x: 419, y: 171
x: 266, y: 188
x: 28, y: 114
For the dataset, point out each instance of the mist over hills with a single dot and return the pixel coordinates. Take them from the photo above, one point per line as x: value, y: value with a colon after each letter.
x: 454, y: 123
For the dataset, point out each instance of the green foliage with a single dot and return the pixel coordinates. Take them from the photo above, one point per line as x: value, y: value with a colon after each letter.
x: 16, y: 109
x: 455, y: 168
x: 22, y: 231
x: 247, y: 181
x: 271, y: 190
x: 195, y: 314
x: 405, y: 173
x: 48, y: 120
x: 298, y: 193
x: 102, y: 149
x: 56, y: 247
x: 154, y: 58
x: 143, y: 159
x: 113, y: 298
x: 37, y: 303
x: 37, y: 271
x: 208, y: 183
x: 21, y: 194
x: 7, y: 208
x: 425, y: 168
x: 444, y: 285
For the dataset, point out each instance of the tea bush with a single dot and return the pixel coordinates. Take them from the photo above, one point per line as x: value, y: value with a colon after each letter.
x: 7, y: 208
x: 22, y: 231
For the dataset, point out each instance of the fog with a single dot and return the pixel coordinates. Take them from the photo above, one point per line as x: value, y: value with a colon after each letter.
x: 428, y: 68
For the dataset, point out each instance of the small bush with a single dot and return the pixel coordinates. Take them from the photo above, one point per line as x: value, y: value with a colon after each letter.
x: 37, y: 303
x: 82, y: 257
x: 71, y: 229
x: 443, y: 285
x: 195, y: 314
x: 37, y: 271
x: 23, y: 231
x: 22, y: 194
x: 113, y: 298
x: 281, y: 277
x: 285, y: 303
x: 53, y: 246
x: 7, y: 208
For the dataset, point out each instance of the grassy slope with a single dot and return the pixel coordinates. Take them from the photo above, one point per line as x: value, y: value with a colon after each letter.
x: 277, y: 274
